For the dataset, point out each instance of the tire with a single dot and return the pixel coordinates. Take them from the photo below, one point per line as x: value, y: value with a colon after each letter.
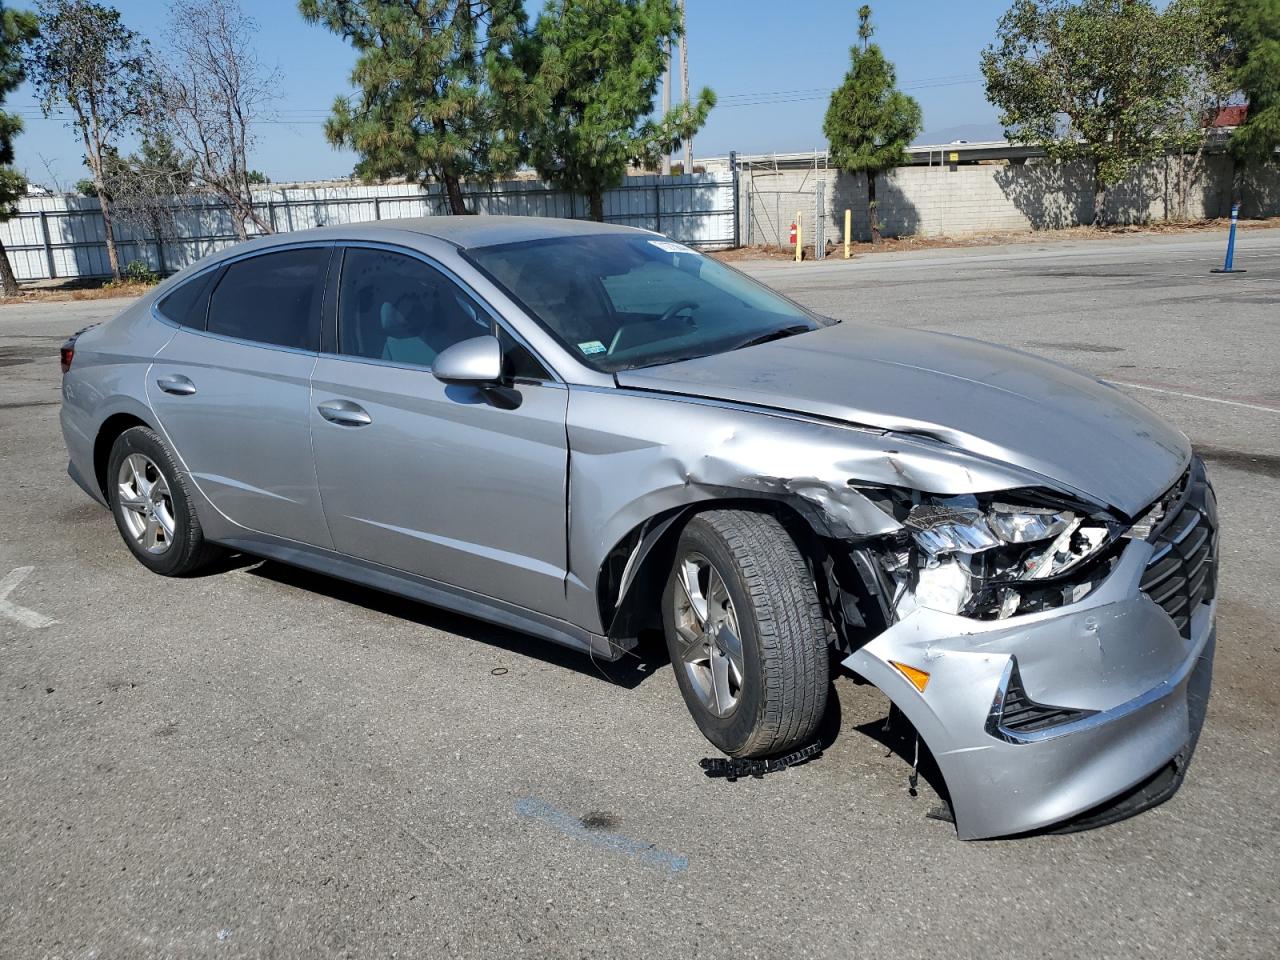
x: 151, y: 502
x: 783, y: 673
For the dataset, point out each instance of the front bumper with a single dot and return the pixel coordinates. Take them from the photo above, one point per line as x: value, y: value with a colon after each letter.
x: 1135, y: 681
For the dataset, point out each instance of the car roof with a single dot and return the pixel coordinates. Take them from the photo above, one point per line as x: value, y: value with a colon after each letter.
x: 465, y: 232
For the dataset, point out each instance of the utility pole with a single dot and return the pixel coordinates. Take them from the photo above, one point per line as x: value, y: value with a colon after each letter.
x: 666, y: 101
x: 684, y: 87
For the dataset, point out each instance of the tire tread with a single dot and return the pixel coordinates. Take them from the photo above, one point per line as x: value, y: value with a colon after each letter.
x: 792, y: 629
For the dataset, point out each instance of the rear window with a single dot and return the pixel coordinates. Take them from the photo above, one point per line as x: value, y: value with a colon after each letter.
x: 273, y: 298
x: 188, y: 305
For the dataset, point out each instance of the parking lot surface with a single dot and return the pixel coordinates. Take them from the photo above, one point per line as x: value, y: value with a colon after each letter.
x: 263, y: 762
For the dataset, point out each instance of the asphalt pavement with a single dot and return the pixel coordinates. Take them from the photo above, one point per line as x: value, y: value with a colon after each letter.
x: 267, y: 763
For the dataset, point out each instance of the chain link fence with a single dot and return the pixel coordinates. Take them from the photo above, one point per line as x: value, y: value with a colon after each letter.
x: 774, y: 198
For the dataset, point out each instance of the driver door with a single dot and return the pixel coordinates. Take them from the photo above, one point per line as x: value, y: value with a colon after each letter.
x: 444, y: 482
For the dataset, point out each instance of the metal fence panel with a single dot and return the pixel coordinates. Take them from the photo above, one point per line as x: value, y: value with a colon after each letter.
x: 64, y: 236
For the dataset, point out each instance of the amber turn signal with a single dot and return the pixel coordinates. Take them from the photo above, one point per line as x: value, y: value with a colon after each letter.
x: 918, y: 678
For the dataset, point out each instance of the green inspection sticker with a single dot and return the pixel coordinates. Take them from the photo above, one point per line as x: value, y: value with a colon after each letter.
x: 591, y: 346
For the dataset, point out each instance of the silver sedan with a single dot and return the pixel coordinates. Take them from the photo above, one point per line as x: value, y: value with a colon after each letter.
x: 583, y: 431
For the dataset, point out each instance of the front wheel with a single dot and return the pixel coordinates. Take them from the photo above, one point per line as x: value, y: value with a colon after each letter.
x: 746, y: 633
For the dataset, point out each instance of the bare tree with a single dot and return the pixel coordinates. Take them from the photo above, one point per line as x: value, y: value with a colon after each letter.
x: 211, y: 89
x: 86, y: 59
x: 145, y: 189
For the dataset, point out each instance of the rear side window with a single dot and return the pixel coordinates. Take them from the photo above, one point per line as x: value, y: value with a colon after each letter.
x: 188, y: 305
x: 273, y: 298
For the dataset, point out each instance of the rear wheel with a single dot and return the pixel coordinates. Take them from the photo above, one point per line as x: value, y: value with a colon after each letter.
x: 153, y: 510
x: 746, y: 633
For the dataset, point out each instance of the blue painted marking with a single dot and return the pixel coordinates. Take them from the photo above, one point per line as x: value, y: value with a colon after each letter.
x: 571, y: 826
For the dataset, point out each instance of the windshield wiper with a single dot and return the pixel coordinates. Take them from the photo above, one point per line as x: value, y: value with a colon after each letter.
x: 777, y: 334
x: 662, y: 359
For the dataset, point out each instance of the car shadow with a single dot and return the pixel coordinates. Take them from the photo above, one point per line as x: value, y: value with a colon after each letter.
x: 629, y: 671
x: 225, y: 562
x: 635, y: 666
x: 896, y: 734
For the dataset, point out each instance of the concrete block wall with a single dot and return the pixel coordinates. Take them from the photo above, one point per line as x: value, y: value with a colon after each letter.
x: 978, y: 199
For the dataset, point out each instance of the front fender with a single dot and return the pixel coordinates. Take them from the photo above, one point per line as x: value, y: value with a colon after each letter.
x: 635, y: 455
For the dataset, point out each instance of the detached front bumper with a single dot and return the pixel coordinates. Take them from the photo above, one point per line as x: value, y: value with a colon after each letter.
x: 1127, y: 685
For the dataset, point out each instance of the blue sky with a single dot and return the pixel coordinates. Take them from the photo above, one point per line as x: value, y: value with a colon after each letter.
x: 771, y: 63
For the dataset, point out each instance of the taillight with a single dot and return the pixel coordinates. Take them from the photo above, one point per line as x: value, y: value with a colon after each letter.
x: 67, y: 352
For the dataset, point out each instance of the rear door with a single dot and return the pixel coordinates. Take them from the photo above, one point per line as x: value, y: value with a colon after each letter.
x: 453, y: 483
x: 232, y: 389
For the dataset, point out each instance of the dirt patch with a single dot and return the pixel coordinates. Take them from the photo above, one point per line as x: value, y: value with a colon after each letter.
x: 886, y: 245
x: 900, y: 244
x: 63, y: 293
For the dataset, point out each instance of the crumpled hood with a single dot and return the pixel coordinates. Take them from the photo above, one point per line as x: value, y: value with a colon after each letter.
x: 990, y: 400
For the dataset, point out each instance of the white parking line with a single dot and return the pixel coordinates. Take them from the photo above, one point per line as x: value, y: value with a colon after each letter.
x: 9, y: 609
x: 1196, y: 396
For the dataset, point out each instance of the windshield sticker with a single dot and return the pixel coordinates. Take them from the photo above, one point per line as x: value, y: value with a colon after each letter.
x: 670, y: 247
x: 591, y: 346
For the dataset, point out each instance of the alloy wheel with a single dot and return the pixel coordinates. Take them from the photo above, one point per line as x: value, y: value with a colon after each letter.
x: 146, y: 504
x: 710, y: 642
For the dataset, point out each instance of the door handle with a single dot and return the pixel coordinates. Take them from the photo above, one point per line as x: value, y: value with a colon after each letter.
x: 176, y: 384
x: 345, y: 413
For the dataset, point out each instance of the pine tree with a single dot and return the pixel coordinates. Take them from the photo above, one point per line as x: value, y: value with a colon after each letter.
x: 596, y: 66
x: 17, y: 27
x: 438, y: 93
x: 870, y: 123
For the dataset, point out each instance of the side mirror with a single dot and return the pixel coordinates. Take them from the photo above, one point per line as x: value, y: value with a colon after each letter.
x: 476, y: 362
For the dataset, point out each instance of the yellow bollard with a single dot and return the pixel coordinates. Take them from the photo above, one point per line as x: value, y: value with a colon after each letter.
x: 848, y: 228
x: 799, y: 235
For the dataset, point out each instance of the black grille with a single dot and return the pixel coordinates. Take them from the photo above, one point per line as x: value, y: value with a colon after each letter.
x: 1183, y: 571
x: 1023, y: 714
x: 1015, y: 716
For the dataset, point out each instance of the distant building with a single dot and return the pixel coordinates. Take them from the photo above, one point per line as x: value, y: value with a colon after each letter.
x: 1228, y: 118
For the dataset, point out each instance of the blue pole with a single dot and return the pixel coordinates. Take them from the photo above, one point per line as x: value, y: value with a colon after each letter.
x: 1231, y: 243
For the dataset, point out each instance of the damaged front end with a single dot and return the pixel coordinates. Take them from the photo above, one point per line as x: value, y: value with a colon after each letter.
x: 1004, y: 592
x: 1051, y: 654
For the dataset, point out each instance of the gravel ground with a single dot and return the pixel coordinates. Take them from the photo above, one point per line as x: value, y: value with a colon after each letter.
x: 263, y: 762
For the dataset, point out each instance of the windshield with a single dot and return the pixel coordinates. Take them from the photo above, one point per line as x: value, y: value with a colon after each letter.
x: 622, y: 301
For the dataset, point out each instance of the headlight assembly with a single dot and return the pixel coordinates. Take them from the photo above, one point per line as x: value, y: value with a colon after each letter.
x: 983, y: 558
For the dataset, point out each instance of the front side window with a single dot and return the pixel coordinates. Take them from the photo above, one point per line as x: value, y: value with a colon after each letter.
x: 629, y: 300
x: 395, y: 307
x: 273, y: 298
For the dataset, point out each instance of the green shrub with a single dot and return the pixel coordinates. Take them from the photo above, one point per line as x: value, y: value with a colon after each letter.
x: 138, y: 271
